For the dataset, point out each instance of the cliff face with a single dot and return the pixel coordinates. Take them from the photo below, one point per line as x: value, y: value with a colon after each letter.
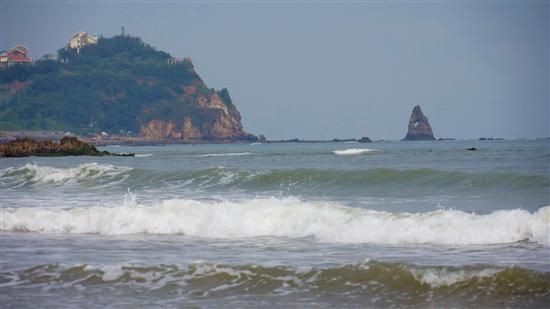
x: 206, y: 117
x: 198, y: 113
x: 419, y: 127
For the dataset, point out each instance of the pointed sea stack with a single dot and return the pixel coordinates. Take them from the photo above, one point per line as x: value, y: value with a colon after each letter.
x: 419, y: 127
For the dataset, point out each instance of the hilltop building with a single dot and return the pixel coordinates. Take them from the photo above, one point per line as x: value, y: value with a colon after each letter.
x: 81, y: 39
x: 15, y: 55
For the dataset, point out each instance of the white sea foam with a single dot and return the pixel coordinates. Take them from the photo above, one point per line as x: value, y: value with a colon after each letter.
x: 289, y: 217
x: 437, y: 277
x: 33, y: 173
x: 143, y: 155
x: 354, y: 151
x: 110, y: 272
x: 227, y: 154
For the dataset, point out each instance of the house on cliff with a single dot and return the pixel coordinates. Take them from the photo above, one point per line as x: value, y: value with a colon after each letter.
x: 81, y: 39
x: 15, y: 55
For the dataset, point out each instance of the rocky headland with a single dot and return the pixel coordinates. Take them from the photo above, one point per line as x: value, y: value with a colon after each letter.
x: 134, y: 91
x: 419, y: 127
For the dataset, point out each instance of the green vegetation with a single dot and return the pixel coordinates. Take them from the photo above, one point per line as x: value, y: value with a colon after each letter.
x: 110, y: 86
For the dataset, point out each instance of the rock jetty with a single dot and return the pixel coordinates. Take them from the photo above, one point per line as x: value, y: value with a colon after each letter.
x: 419, y: 127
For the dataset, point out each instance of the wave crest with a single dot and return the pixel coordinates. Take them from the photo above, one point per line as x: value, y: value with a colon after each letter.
x: 354, y: 151
x: 32, y: 173
x: 343, y: 180
x: 369, y: 279
x: 289, y: 217
x: 326, y: 180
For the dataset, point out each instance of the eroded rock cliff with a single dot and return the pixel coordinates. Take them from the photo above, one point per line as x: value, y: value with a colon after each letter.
x: 208, y: 117
x: 419, y: 127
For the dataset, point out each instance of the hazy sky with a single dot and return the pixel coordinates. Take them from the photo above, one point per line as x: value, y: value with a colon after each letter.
x: 335, y: 69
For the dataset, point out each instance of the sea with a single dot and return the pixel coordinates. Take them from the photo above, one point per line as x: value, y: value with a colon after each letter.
x: 299, y: 225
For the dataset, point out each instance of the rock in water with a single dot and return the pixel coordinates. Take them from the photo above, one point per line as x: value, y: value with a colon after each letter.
x: 419, y: 127
x: 69, y: 146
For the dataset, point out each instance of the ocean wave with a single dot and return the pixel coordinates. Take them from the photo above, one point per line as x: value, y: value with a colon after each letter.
x: 143, y: 155
x: 342, y: 180
x: 387, y: 282
x: 288, y: 217
x: 32, y: 173
x: 328, y: 181
x: 225, y: 154
x: 448, y: 276
x: 354, y: 151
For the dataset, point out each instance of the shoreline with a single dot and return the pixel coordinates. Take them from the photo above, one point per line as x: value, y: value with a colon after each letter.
x: 110, y: 140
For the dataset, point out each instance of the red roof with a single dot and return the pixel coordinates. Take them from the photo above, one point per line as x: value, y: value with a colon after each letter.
x: 16, y: 55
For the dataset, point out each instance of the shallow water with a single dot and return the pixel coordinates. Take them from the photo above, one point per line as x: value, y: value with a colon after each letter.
x: 382, y: 224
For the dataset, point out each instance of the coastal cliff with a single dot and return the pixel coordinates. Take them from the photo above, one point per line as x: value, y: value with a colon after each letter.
x: 224, y: 122
x: 419, y: 128
x: 119, y: 86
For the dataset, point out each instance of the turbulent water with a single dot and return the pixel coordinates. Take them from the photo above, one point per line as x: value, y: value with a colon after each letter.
x: 424, y: 224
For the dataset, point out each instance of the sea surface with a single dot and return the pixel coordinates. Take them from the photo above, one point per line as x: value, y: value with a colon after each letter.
x: 387, y: 224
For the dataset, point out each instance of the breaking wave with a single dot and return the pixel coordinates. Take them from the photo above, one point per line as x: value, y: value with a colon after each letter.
x: 384, y: 283
x: 143, y: 155
x: 354, y: 151
x: 35, y: 174
x: 288, y: 217
x: 400, y: 181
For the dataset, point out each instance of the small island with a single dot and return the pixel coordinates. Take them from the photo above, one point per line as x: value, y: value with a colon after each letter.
x: 419, y: 127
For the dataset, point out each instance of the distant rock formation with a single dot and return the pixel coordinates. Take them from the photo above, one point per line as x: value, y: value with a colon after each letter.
x: 69, y: 146
x: 419, y: 127
x: 365, y: 139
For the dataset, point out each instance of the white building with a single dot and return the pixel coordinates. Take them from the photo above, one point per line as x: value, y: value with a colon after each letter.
x: 81, y: 39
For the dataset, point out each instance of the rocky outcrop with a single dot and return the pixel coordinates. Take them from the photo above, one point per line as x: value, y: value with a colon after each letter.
x: 69, y: 146
x: 365, y: 139
x: 189, y: 132
x: 419, y: 127
x: 211, y: 118
x: 157, y: 129
x: 197, y: 113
